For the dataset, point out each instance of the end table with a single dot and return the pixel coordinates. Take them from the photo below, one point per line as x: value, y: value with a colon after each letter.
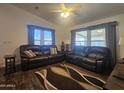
x: 9, y: 64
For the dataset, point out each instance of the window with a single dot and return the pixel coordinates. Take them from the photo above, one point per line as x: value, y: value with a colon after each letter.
x: 41, y: 36
x: 37, y: 37
x: 93, y: 37
x: 47, y: 38
x: 98, y: 37
x: 81, y: 38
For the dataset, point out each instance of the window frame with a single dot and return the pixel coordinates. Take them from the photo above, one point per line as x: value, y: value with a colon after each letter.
x: 31, y: 30
x: 88, y: 30
x: 98, y: 40
x: 47, y: 40
x: 75, y: 38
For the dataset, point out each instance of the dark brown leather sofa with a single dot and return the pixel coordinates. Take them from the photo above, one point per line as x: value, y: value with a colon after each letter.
x: 97, y: 59
x: 43, y: 56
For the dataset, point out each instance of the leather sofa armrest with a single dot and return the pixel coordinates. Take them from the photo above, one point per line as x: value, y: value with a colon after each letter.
x: 99, y: 65
x: 24, y: 63
x: 99, y: 59
x: 25, y: 59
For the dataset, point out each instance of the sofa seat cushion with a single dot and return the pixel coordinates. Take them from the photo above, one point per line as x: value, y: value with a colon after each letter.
x: 38, y: 58
x: 87, y: 66
x: 89, y: 61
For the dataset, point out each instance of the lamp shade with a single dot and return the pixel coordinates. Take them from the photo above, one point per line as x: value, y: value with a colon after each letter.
x: 67, y: 42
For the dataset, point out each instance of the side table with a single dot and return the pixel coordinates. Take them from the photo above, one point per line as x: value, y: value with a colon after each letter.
x: 66, y: 53
x: 9, y: 64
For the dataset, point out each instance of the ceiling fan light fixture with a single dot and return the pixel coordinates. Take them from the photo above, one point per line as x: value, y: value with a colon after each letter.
x: 62, y: 14
x: 65, y: 14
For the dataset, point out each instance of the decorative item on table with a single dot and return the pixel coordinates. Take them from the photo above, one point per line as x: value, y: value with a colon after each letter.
x: 62, y: 46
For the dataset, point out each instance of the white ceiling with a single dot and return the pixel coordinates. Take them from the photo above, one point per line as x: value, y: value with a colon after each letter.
x: 85, y: 13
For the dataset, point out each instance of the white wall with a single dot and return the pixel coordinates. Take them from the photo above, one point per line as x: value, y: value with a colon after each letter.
x: 62, y: 35
x: 13, y: 30
x: 120, y: 28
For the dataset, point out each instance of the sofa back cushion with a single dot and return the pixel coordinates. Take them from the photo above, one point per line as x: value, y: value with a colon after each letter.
x: 98, y: 52
x: 96, y: 55
x: 77, y: 50
x: 37, y: 49
x: 53, y: 51
x: 33, y: 53
x: 47, y: 49
x: 92, y: 51
x: 80, y: 50
x: 84, y: 52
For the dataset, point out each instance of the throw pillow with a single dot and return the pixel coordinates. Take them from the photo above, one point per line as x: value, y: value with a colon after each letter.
x: 53, y: 51
x: 32, y: 53
x: 28, y: 54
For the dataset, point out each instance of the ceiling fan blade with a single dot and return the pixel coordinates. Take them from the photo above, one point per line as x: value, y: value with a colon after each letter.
x: 71, y: 9
x: 74, y: 14
x: 74, y: 7
x: 63, y: 7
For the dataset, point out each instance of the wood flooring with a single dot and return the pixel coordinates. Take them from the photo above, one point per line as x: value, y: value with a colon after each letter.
x: 24, y: 80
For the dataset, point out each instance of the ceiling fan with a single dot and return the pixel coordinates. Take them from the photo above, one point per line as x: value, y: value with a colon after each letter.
x: 66, y: 11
